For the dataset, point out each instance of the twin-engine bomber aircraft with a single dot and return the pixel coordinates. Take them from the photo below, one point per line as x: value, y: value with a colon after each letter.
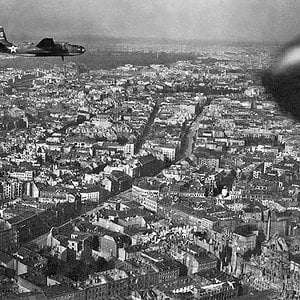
x: 46, y: 47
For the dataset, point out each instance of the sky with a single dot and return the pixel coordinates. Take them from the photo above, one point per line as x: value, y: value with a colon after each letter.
x: 220, y: 20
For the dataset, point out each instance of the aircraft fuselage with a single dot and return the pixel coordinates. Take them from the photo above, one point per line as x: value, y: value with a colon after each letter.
x: 46, y: 47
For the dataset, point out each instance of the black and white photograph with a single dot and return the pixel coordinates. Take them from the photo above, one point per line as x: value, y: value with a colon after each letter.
x: 150, y: 150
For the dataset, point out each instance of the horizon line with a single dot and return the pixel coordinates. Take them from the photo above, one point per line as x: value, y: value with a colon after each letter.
x: 151, y: 39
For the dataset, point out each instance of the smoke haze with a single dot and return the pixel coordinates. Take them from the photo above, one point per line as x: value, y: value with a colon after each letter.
x: 230, y: 20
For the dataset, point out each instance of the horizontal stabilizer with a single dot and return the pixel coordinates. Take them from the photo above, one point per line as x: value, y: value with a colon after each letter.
x: 46, y: 43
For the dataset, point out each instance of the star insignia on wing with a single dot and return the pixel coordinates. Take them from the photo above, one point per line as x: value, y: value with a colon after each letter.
x: 13, y: 49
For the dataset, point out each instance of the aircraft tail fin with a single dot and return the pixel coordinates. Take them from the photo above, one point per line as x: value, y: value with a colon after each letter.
x: 3, y: 39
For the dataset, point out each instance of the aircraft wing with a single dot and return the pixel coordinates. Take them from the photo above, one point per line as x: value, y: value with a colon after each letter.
x: 46, y: 43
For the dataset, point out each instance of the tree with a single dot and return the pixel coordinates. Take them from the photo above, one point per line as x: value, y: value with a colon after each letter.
x: 100, y: 265
x: 78, y: 271
x: 122, y: 140
x: 183, y: 270
x: 52, y: 266
x: 225, y: 255
x: 95, y: 243
x: 259, y: 240
x: 40, y: 160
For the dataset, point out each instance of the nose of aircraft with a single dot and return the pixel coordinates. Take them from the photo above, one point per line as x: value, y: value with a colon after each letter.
x: 81, y: 49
